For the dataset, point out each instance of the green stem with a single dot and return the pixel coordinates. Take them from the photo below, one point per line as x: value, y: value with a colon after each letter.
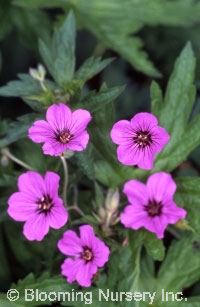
x: 8, y: 154
x: 43, y: 86
x: 174, y: 232
x: 77, y: 209
x: 65, y: 168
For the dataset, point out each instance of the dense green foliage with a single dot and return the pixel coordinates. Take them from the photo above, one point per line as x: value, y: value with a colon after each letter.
x: 139, y: 261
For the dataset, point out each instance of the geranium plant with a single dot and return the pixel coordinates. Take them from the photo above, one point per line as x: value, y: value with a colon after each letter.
x: 100, y: 202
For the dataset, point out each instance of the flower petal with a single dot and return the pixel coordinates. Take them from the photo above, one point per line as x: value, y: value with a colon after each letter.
x: 54, y: 148
x: 40, y: 132
x: 129, y: 154
x: 86, y: 235
x: 70, y: 244
x: 80, y: 120
x: 136, y: 192
x: 59, y: 117
x: 173, y: 213
x: 21, y: 206
x: 101, y: 252
x: 85, y: 273
x: 79, y: 143
x: 121, y: 132
x: 156, y: 225
x: 58, y: 215
x: 36, y: 227
x: 51, y: 180
x: 161, y: 187
x: 32, y: 183
x: 159, y: 226
x: 133, y: 217
x: 69, y: 269
x: 144, y: 121
x: 147, y: 158
x: 160, y: 137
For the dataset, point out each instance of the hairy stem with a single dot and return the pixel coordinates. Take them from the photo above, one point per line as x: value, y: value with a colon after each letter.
x: 8, y: 154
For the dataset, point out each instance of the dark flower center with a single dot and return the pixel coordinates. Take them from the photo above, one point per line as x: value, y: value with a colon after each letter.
x: 143, y: 138
x: 87, y: 254
x: 45, y: 204
x: 154, y: 208
x: 64, y: 136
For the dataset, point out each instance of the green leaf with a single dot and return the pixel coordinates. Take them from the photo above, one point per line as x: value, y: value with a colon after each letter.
x: 44, y: 283
x: 25, y: 251
x: 27, y: 86
x: 85, y: 162
x: 130, y: 48
x: 188, y: 197
x: 30, y: 25
x: 101, y: 17
x: 179, y: 96
x: 177, y: 272
x: 91, y: 67
x: 156, y: 99
x: 4, y: 268
x: 99, y: 195
x: 154, y: 246
x: 29, y: 90
x: 6, y: 303
x: 191, y: 302
x: 38, y: 3
x: 18, y: 130
x: 175, y: 113
x: 59, y: 57
x: 94, y: 101
x: 32, y: 155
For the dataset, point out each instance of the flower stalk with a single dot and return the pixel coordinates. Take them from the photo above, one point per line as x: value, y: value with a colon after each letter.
x: 65, y: 168
x: 6, y: 153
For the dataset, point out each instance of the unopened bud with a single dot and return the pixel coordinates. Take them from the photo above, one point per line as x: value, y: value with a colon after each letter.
x: 102, y: 213
x: 4, y: 160
x: 184, y: 225
x: 112, y: 200
x: 39, y: 73
x: 34, y: 73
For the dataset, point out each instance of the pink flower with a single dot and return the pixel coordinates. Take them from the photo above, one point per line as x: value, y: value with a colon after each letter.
x: 37, y: 203
x: 88, y: 253
x: 63, y: 130
x: 139, y: 140
x: 152, y: 205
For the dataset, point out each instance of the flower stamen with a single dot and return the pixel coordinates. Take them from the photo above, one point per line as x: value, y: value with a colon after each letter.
x: 64, y: 136
x: 45, y: 204
x: 143, y: 139
x: 87, y: 254
x: 154, y: 208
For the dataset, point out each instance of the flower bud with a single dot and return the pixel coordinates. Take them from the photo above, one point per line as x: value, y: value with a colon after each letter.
x: 184, y: 225
x: 112, y: 200
x: 39, y: 73
x: 102, y: 214
x: 4, y: 160
x: 34, y: 73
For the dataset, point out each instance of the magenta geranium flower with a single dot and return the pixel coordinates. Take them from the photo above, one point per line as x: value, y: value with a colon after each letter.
x: 63, y: 130
x: 152, y: 205
x: 87, y: 252
x: 139, y: 140
x: 37, y: 204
